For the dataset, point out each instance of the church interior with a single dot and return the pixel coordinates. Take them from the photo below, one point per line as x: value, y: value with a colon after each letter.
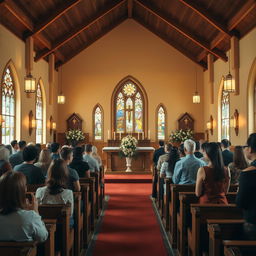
x: 131, y: 81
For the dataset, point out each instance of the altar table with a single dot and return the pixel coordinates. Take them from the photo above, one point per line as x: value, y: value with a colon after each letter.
x: 143, y: 161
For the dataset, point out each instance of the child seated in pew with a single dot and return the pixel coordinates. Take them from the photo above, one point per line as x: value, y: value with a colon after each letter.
x: 55, y: 191
x: 213, y: 181
x: 19, y: 219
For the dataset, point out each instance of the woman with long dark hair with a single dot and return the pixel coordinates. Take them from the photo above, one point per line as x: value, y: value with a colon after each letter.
x: 213, y: 181
x: 239, y: 163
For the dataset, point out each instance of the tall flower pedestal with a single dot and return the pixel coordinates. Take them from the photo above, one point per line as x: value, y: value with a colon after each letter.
x: 128, y: 164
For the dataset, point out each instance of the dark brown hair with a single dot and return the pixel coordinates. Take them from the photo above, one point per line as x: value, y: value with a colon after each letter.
x: 57, y: 176
x: 239, y: 158
x: 13, y: 186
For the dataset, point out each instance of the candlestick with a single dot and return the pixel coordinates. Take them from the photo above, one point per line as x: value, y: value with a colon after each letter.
x: 108, y: 134
x: 149, y: 134
x: 138, y: 135
x: 142, y: 135
x: 120, y: 135
x: 114, y: 135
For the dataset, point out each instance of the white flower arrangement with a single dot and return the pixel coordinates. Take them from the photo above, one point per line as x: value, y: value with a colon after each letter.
x: 74, y: 135
x: 128, y: 146
x: 181, y: 135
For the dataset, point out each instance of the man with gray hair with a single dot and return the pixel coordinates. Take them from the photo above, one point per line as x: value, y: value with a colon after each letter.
x: 185, y: 170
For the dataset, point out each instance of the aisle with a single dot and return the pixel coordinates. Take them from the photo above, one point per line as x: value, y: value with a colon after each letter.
x: 129, y: 226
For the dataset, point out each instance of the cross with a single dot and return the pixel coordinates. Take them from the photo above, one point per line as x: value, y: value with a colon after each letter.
x: 129, y: 110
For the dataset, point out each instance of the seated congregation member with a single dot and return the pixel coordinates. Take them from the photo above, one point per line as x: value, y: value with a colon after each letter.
x: 185, y: 170
x: 55, y: 149
x: 96, y: 156
x: 239, y: 163
x: 17, y: 158
x: 48, y: 146
x: 181, y: 150
x: 93, y: 164
x: 73, y: 178
x: 44, y: 160
x: 9, y: 147
x: 79, y: 164
x: 165, y: 157
x: 39, y: 148
x: 212, y: 183
x: 15, y: 146
x: 226, y: 153
x: 19, y: 220
x: 197, y: 153
x: 4, y: 160
x: 204, y: 158
x: 34, y: 174
x: 246, y: 196
x: 158, y: 152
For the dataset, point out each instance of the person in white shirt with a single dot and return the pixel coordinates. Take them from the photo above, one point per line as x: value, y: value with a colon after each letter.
x: 93, y: 164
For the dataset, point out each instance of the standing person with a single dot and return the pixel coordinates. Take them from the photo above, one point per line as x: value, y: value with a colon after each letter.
x: 17, y: 158
x: 19, y: 220
x: 246, y: 196
x: 34, y: 174
x: 93, y: 164
x: 226, y: 153
x: 4, y: 160
x: 185, y: 170
x: 212, y: 183
x: 158, y: 152
x: 44, y: 160
x: 96, y: 156
x: 237, y: 165
x: 55, y: 149
x: 15, y: 146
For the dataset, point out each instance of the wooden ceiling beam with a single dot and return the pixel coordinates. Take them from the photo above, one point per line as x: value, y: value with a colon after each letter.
x: 207, y: 16
x: 54, y: 16
x: 75, y: 32
x: 173, y: 44
x: 87, y: 44
x: 129, y: 8
x: 182, y: 30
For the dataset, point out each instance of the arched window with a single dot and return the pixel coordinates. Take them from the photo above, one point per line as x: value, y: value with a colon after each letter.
x: 129, y: 109
x: 8, y: 107
x: 39, y: 114
x: 98, y: 122
x: 161, y: 122
x: 225, y: 115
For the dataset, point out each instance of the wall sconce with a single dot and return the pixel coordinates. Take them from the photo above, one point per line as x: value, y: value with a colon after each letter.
x: 209, y: 125
x: 52, y: 125
x: 30, y: 84
x: 32, y: 122
x: 234, y: 121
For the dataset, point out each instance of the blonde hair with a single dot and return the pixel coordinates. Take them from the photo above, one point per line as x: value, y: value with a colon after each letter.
x: 45, y: 157
x: 4, y: 153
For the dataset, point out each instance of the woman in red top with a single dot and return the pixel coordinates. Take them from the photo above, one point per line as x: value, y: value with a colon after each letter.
x: 213, y: 181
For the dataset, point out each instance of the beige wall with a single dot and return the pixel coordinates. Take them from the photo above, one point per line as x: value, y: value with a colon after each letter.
x: 13, y: 49
x: 247, y: 47
x: 167, y: 76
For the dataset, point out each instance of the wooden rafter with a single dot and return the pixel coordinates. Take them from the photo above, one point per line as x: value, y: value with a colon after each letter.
x: 78, y: 30
x: 129, y: 7
x: 182, y: 30
x: 171, y: 43
x: 207, y: 16
x: 87, y: 44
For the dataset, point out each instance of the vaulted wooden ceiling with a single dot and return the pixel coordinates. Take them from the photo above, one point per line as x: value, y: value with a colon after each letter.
x: 193, y: 27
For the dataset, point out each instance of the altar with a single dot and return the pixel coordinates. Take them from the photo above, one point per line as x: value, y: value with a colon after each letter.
x: 142, y: 162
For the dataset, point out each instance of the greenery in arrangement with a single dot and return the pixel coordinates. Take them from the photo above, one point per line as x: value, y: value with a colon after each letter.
x: 128, y: 146
x: 181, y: 135
x: 74, y: 135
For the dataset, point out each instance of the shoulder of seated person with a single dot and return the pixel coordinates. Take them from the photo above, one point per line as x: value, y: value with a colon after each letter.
x: 250, y: 168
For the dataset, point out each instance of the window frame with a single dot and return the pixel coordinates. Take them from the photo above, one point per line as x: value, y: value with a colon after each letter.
x: 102, y: 122
x: 166, y: 126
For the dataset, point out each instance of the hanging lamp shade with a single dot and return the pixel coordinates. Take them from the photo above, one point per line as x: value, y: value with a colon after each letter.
x: 30, y: 84
x: 61, y: 99
x: 196, y: 98
x: 229, y: 85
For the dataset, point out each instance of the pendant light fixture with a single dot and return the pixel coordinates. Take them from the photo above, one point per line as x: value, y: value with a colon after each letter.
x: 196, y: 96
x: 61, y: 97
x: 229, y: 85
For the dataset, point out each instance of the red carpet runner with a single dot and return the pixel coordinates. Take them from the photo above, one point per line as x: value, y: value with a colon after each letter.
x: 129, y: 226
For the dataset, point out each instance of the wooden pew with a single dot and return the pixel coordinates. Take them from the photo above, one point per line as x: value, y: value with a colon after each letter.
x: 197, y: 234
x: 102, y: 187
x: 18, y: 248
x: 154, y: 183
x: 97, y: 193
x: 34, y: 187
x: 61, y: 213
x: 223, y: 229
x: 166, y: 204
x: 239, y: 248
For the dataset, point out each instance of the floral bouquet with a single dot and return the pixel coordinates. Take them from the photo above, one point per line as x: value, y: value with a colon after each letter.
x: 128, y: 146
x: 74, y: 136
x: 181, y: 135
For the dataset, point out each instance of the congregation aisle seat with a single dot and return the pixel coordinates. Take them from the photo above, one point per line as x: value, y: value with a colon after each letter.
x: 18, y: 248
x: 198, y: 237
x: 61, y: 213
x: 239, y: 248
x: 223, y: 229
x: 160, y: 194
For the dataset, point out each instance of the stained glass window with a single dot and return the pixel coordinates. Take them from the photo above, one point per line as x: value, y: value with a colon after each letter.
x: 161, y: 122
x: 225, y: 116
x: 129, y: 109
x: 8, y: 108
x: 98, y: 124
x: 39, y: 115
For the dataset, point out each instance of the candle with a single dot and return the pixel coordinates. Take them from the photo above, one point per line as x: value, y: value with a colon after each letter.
x: 114, y: 135
x: 149, y: 134
x: 120, y: 135
x: 108, y: 134
x: 143, y: 135
x: 138, y: 135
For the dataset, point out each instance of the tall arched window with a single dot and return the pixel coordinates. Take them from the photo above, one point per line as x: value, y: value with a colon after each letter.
x: 161, y: 122
x: 98, y: 122
x: 39, y: 114
x: 129, y: 108
x: 8, y: 107
x: 225, y: 115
